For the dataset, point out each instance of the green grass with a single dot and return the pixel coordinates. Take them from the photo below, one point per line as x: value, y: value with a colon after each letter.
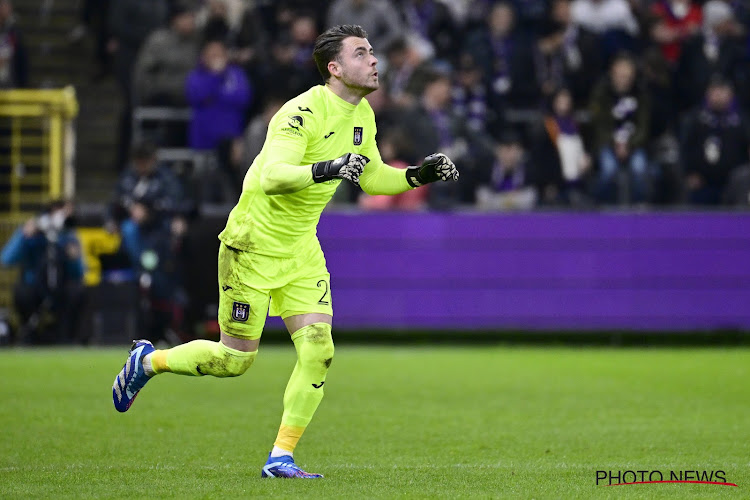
x: 396, y: 422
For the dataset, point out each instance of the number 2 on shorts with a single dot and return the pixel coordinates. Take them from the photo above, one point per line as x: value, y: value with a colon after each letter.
x: 323, y: 298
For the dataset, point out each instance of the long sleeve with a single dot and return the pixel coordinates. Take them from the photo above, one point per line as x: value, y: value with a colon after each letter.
x: 235, y: 89
x: 379, y: 178
x: 131, y: 240
x: 284, y: 169
x: 13, y: 250
x: 285, y: 175
x: 201, y: 86
x: 383, y: 179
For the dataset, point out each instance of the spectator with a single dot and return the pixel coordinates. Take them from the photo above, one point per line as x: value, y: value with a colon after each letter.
x: 291, y: 69
x: 219, y: 94
x: 49, y: 293
x: 619, y: 118
x: 378, y: 17
x: 241, y: 28
x: 569, y: 55
x: 148, y: 182
x: 509, y: 185
x: 433, y: 126
x: 507, y: 58
x: 14, y: 62
x: 714, y: 143
x: 470, y: 101
x: 715, y: 50
x: 612, y: 20
x: 155, y: 247
x: 402, y: 76
x: 560, y: 159
x: 165, y: 60
x: 130, y: 23
x: 674, y: 21
x: 433, y: 27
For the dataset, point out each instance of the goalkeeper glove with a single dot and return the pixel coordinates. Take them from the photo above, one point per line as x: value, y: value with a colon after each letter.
x: 348, y: 166
x: 436, y: 167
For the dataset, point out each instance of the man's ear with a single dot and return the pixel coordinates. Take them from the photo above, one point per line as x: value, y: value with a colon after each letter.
x: 334, y: 69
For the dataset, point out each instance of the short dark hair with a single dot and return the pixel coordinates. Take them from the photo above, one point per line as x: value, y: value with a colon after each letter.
x: 328, y: 45
x: 143, y: 150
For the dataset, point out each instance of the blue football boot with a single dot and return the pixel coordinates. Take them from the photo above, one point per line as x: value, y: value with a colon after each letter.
x: 132, y: 378
x: 285, y: 467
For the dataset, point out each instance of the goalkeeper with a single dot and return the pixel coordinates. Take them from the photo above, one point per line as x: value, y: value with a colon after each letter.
x: 270, y: 260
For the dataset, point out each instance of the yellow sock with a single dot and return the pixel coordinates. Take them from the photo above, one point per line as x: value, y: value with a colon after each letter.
x: 288, y: 437
x: 159, y: 361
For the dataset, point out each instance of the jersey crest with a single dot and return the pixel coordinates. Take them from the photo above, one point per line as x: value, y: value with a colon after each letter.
x: 240, y: 311
x: 357, y: 136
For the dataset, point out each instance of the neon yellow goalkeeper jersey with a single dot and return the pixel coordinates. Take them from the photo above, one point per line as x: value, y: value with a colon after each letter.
x: 314, y: 126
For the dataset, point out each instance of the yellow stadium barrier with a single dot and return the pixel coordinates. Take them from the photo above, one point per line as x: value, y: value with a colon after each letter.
x: 37, y: 144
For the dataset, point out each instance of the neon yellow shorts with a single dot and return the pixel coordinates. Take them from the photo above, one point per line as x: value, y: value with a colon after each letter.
x: 253, y: 286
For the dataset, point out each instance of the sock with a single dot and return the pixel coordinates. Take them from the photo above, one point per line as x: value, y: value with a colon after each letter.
x: 147, y: 368
x: 280, y: 452
x: 286, y: 440
x: 304, y: 391
x: 202, y: 357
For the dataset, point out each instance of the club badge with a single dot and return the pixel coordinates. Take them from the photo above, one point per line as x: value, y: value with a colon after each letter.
x: 240, y: 311
x: 357, y: 136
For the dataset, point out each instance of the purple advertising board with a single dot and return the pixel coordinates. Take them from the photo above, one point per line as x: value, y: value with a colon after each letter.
x: 539, y: 271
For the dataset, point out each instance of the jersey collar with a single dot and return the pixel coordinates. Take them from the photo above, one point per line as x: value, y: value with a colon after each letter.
x: 341, y: 104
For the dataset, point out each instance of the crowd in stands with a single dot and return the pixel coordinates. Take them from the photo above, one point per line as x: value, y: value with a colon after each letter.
x: 539, y: 102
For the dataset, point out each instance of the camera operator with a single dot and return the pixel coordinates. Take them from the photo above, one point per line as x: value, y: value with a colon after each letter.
x: 149, y: 211
x: 146, y: 179
x: 155, y: 244
x: 49, y: 293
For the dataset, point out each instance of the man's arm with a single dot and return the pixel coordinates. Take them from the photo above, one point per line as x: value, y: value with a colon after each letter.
x: 285, y: 175
x: 14, y: 249
x: 384, y: 179
x: 281, y: 163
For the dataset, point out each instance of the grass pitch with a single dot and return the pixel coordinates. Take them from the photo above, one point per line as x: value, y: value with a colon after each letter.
x: 396, y: 422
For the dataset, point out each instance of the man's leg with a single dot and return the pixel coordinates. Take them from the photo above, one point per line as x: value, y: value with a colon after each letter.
x: 311, y: 334
x: 230, y: 357
x: 242, y: 314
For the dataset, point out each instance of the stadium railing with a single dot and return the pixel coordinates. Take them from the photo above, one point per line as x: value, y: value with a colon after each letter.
x: 37, y: 147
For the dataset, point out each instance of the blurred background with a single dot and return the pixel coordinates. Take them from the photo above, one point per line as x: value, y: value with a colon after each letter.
x: 603, y: 145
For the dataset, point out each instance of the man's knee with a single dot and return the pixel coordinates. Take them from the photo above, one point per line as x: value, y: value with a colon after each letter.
x: 238, y: 366
x: 316, y: 344
x: 228, y: 362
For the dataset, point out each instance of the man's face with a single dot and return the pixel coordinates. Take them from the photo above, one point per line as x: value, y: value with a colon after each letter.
x: 439, y: 92
x: 561, y: 11
x: 215, y: 57
x: 184, y: 24
x: 501, y: 19
x: 719, y: 97
x: 623, y: 75
x: 358, y: 64
x: 144, y: 166
x: 509, y: 155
